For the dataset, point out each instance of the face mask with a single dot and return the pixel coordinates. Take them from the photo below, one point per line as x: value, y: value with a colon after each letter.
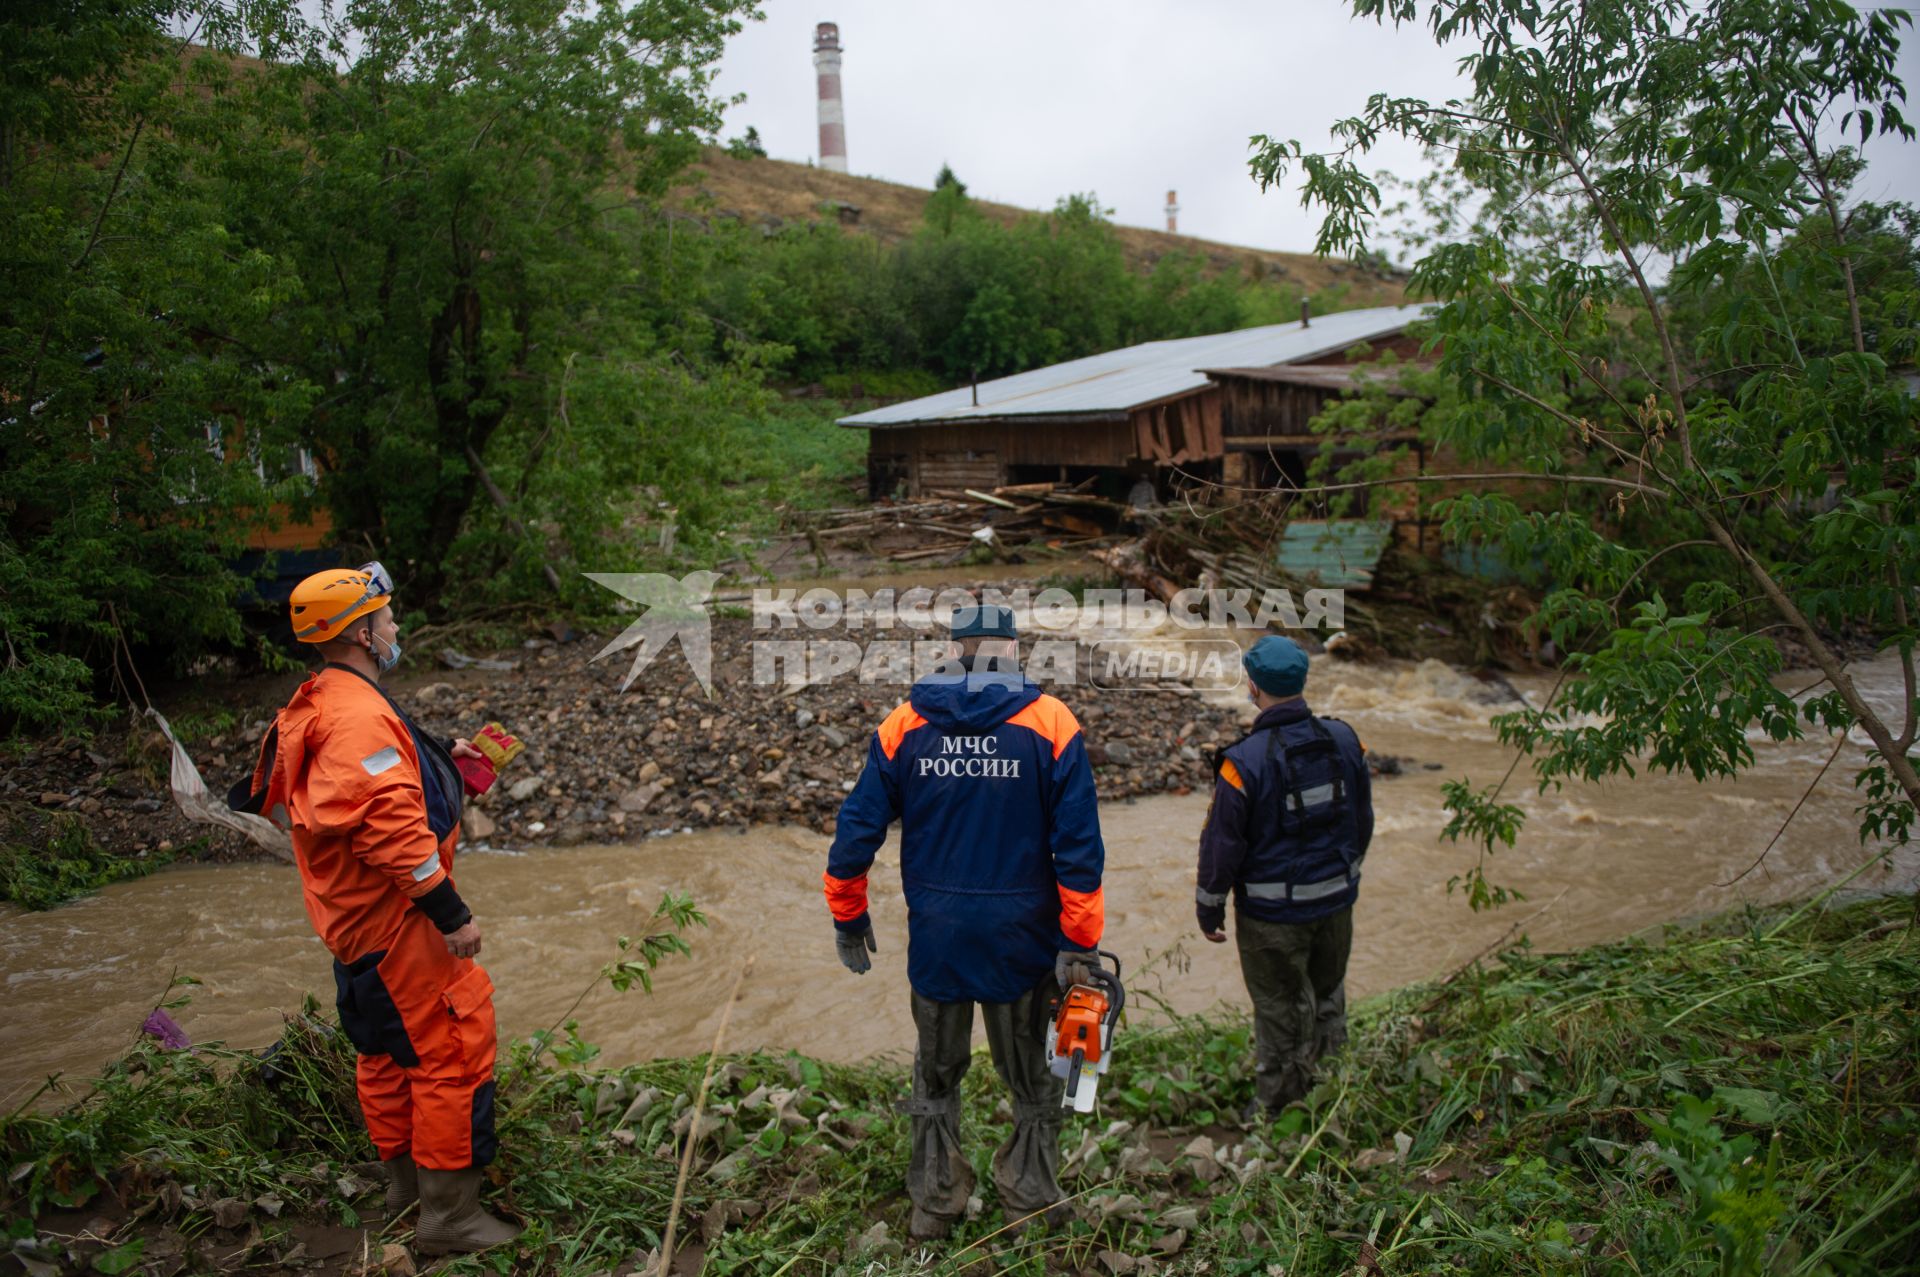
x: 391, y: 659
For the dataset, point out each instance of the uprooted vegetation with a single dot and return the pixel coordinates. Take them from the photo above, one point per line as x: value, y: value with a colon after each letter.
x: 1734, y: 1098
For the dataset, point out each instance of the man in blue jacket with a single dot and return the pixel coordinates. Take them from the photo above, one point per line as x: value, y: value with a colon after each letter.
x: 1000, y: 859
x: 1291, y: 818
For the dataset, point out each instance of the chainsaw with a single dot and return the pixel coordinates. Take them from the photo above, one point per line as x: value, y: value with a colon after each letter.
x: 1080, y: 1046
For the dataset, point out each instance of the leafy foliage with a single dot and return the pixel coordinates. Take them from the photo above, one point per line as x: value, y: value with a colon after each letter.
x: 1733, y: 1098
x: 967, y: 295
x: 406, y: 280
x: 1743, y: 413
x: 674, y: 914
x: 43, y: 866
x: 456, y: 214
x: 125, y: 490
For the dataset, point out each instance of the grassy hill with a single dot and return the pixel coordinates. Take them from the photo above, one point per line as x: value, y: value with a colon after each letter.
x: 775, y: 193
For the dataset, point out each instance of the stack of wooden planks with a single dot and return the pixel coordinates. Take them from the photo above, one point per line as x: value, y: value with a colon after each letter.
x: 946, y: 522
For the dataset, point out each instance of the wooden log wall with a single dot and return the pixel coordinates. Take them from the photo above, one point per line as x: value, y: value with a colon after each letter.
x: 1264, y: 410
x: 977, y: 454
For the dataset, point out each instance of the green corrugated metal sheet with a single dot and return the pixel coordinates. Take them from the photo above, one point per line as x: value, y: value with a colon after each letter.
x: 1337, y: 552
x: 1490, y: 565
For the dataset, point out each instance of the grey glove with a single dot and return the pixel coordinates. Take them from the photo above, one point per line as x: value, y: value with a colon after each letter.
x: 854, y: 946
x: 1070, y: 968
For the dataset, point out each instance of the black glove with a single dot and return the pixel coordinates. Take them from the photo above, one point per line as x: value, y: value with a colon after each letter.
x: 854, y: 946
x: 1212, y: 918
x: 1070, y: 967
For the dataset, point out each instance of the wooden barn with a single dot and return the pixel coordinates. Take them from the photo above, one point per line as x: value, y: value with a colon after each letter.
x: 1150, y: 412
x: 1266, y: 417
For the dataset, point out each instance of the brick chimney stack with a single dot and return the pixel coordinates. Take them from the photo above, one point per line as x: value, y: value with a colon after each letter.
x: 833, y: 117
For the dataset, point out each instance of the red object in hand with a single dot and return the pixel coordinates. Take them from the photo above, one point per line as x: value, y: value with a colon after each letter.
x: 497, y: 749
x: 478, y: 774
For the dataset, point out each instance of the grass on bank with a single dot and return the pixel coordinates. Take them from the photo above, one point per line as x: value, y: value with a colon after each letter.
x: 1739, y: 1097
x: 48, y: 860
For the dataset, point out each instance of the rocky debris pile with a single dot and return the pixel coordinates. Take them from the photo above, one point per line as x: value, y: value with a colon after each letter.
x: 114, y: 787
x: 602, y: 765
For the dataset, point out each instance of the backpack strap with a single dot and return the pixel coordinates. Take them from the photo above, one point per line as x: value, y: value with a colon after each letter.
x: 1220, y: 754
x: 243, y: 796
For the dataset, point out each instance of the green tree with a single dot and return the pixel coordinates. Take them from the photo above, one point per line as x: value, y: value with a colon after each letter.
x: 454, y: 208
x: 1687, y: 137
x: 143, y: 434
x: 946, y: 178
x: 747, y: 146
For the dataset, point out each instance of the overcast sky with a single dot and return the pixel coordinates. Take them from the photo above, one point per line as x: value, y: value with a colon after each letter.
x: 1035, y: 100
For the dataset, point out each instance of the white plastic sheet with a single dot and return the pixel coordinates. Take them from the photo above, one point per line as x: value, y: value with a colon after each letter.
x: 191, y: 796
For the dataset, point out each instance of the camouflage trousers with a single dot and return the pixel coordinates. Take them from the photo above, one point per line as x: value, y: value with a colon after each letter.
x: 1026, y: 1168
x: 1296, y: 974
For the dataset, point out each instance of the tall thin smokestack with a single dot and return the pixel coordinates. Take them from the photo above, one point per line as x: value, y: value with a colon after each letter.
x: 1173, y: 214
x: 833, y: 117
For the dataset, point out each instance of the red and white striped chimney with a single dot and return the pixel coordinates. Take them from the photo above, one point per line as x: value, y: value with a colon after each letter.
x: 1173, y: 214
x: 833, y: 117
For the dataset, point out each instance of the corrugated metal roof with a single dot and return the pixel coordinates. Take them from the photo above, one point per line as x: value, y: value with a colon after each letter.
x: 1120, y: 380
x: 1317, y: 377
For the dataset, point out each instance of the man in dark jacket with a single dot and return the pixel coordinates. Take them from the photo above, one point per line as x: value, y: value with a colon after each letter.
x: 1000, y: 860
x: 1291, y: 818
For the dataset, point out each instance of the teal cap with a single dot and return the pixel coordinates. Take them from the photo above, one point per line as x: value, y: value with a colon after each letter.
x: 1277, y: 666
x: 983, y: 621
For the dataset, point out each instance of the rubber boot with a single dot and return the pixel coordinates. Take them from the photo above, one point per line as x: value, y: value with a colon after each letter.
x: 926, y: 1227
x: 451, y: 1220
x: 403, y: 1183
x: 1054, y: 1218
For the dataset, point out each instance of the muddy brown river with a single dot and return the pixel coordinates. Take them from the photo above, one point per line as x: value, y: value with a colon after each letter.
x: 1595, y: 862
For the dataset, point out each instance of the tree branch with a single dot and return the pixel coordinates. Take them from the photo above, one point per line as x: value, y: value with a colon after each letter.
x: 1652, y: 303
x: 1818, y: 776
x: 119, y: 175
x: 506, y: 513
x: 1650, y: 561
x: 1595, y: 480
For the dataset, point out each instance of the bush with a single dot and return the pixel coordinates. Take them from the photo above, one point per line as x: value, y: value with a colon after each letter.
x: 50, y: 863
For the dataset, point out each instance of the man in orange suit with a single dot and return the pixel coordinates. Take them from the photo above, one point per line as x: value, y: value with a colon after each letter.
x: 373, y: 806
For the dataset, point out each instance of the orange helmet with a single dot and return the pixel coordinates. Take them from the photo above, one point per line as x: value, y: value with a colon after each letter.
x: 327, y: 602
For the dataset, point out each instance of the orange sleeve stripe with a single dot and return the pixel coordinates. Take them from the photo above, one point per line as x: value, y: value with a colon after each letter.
x: 846, y: 897
x: 1231, y: 774
x: 1052, y: 720
x: 1083, y: 915
x: 896, y: 726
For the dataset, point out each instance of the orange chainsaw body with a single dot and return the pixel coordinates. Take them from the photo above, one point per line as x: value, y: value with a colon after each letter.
x: 1081, y: 1044
x: 1076, y: 1026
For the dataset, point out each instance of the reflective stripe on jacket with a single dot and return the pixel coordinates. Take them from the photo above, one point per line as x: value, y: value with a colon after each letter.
x: 1291, y: 819
x: 342, y: 772
x: 1000, y: 850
